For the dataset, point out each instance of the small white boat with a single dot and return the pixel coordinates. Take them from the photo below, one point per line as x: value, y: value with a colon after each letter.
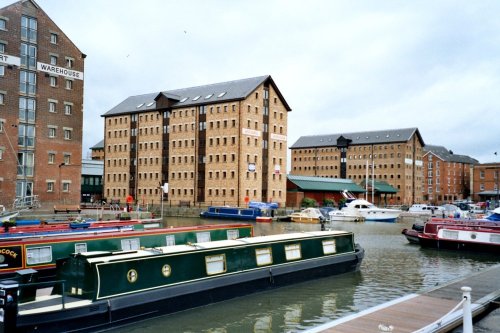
x: 435, y: 211
x: 370, y: 212
x: 344, y: 216
x: 6, y: 215
x: 307, y: 215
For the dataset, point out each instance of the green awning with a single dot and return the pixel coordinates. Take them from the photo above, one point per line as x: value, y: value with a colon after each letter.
x: 380, y: 186
x: 325, y: 184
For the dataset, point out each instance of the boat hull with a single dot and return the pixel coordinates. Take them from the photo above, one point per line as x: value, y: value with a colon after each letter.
x: 436, y: 242
x: 122, y: 310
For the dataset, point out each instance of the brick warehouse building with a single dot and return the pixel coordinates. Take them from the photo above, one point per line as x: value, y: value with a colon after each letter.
x: 396, y: 157
x: 41, y: 107
x: 223, y: 143
x: 447, y: 176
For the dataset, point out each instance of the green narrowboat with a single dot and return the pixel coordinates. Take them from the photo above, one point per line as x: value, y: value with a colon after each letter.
x: 41, y: 253
x: 100, y: 290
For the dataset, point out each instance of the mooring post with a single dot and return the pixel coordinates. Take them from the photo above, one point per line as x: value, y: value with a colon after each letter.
x: 467, y: 327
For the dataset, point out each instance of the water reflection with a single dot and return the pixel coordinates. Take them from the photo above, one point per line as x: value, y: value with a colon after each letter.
x: 392, y: 268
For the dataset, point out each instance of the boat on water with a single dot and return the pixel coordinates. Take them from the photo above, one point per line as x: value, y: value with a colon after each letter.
x: 307, y: 215
x: 41, y: 252
x: 256, y: 211
x: 344, y: 216
x: 6, y: 216
x: 102, y: 290
x: 370, y: 212
x: 431, y: 226
x: 466, y: 237
x: 47, y: 229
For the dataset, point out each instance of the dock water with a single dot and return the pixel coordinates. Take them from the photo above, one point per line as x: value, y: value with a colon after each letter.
x: 416, y: 311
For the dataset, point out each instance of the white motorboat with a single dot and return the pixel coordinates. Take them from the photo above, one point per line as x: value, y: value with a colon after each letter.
x: 6, y: 215
x: 344, y: 216
x: 307, y: 215
x: 370, y: 212
x: 435, y: 211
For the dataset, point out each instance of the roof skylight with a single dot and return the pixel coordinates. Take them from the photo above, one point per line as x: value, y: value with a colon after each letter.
x: 140, y: 105
x: 184, y: 99
x: 149, y: 104
x: 208, y: 96
x: 196, y: 98
x: 221, y: 94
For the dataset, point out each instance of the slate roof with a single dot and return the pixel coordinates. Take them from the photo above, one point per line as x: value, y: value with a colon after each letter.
x: 99, y: 145
x: 381, y: 186
x: 200, y: 95
x: 448, y: 156
x: 325, y: 184
x: 92, y: 167
x: 358, y: 138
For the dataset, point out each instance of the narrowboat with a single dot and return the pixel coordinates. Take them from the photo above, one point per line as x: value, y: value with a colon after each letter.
x: 256, y: 211
x: 46, y: 229
x: 100, y: 290
x: 40, y: 253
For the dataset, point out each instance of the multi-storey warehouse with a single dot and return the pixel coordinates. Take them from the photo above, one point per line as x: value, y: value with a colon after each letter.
x: 447, y: 176
x: 394, y: 156
x: 223, y: 143
x: 41, y: 107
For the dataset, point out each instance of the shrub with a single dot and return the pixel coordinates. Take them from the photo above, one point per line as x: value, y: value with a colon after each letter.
x: 308, y: 202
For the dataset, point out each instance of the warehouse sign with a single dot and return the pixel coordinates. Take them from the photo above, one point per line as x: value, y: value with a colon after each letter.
x: 10, y: 60
x: 60, y: 71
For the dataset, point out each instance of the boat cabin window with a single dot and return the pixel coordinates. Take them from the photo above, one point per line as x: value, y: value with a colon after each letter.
x: 215, y: 264
x: 80, y: 247
x: 170, y: 240
x: 264, y: 256
x: 329, y: 246
x: 450, y: 234
x: 203, y: 237
x: 130, y: 244
x: 494, y: 238
x: 292, y: 252
x: 38, y: 255
x: 233, y: 234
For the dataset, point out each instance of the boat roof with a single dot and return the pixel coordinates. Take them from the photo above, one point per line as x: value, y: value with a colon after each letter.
x: 121, y: 255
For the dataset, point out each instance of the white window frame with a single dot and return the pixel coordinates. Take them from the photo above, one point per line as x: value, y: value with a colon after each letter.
x: 52, y: 106
x: 264, y: 256
x: 65, y: 186
x: 202, y: 237
x: 38, y: 255
x: 53, y: 81
x: 215, y: 264
x: 50, y: 186
x: 329, y: 246
x: 293, y: 251
x: 68, y: 109
x: 52, y: 132
x: 53, y: 38
x: 80, y: 247
x: 170, y: 240
x: 69, y: 84
x: 233, y: 234
x: 130, y: 244
x: 68, y: 134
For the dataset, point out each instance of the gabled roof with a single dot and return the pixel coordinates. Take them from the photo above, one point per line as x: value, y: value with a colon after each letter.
x: 380, y: 186
x: 99, y: 145
x: 200, y: 95
x: 358, y: 138
x: 325, y: 184
x: 447, y: 155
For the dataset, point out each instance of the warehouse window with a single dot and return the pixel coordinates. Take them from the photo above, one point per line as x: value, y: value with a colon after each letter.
x: 233, y: 234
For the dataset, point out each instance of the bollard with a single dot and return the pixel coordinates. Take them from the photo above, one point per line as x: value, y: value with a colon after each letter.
x: 467, y: 326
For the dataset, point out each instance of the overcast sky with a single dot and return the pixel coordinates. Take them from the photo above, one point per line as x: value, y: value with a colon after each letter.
x: 342, y: 66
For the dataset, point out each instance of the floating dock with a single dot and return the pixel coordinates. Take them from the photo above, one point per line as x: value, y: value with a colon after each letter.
x: 420, y: 311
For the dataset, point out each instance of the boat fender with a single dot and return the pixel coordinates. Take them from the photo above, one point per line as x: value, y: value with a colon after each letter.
x: 271, y: 278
